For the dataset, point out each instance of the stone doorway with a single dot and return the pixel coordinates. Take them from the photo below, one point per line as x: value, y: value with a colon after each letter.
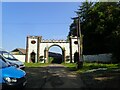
x: 33, y: 57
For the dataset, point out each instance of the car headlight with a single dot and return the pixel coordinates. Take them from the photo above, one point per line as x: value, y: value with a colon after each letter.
x: 10, y: 80
x: 14, y: 80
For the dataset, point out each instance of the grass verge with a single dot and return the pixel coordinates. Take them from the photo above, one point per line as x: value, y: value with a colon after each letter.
x: 98, y: 79
x: 90, y: 66
x: 70, y: 66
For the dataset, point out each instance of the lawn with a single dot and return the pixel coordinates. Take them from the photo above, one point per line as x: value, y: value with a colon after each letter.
x: 70, y: 66
x: 91, y: 66
x: 98, y: 75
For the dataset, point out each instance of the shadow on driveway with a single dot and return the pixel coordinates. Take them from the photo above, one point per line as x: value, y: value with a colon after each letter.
x: 35, y: 77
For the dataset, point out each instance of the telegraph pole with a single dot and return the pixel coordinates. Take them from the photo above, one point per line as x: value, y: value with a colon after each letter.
x: 80, y: 48
x: 79, y: 39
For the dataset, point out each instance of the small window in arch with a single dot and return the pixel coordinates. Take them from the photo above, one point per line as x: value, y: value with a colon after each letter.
x: 75, y: 42
x: 33, y: 41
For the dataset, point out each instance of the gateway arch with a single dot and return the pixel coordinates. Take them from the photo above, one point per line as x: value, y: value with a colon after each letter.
x: 37, y: 49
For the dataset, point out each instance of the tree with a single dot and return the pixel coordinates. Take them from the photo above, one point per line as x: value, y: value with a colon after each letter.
x: 73, y: 29
x: 100, y: 25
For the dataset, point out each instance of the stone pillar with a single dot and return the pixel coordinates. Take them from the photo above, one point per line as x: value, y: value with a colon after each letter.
x: 38, y: 48
x: 26, y: 58
x: 70, y: 43
x: 64, y: 56
x: 46, y: 55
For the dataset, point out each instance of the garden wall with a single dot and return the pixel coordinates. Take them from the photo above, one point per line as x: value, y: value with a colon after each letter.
x: 97, y: 58
x: 20, y: 57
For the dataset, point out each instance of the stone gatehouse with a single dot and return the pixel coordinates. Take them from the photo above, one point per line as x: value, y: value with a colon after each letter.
x: 37, y: 49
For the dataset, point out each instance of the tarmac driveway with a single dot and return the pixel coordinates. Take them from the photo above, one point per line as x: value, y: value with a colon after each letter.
x: 35, y: 77
x: 52, y: 76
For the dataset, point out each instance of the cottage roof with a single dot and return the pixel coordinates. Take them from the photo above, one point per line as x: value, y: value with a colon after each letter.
x: 23, y: 51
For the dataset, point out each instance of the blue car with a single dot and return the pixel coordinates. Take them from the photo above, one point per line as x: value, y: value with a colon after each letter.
x: 9, y: 58
x: 10, y: 76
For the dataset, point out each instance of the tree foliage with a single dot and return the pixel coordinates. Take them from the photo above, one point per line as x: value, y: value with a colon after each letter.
x: 100, y: 26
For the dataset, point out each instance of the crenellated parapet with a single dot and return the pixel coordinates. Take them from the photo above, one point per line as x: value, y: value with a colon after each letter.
x: 53, y: 41
x: 34, y: 37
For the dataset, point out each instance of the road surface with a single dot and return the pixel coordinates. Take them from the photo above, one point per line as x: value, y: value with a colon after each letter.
x: 53, y: 76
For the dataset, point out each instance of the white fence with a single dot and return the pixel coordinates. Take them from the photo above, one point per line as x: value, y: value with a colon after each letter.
x: 99, y: 58
x: 20, y: 57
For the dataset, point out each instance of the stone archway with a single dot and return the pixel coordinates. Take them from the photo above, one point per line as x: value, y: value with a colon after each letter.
x: 41, y: 48
x: 46, y: 52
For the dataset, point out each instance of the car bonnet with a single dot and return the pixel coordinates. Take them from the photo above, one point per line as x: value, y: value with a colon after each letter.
x: 12, y: 72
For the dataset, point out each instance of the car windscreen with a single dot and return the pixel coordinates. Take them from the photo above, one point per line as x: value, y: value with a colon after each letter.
x: 3, y: 64
x: 7, y: 55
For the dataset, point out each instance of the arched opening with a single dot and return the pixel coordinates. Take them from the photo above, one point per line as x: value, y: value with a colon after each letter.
x: 32, y: 56
x: 55, y: 54
x: 76, y: 57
